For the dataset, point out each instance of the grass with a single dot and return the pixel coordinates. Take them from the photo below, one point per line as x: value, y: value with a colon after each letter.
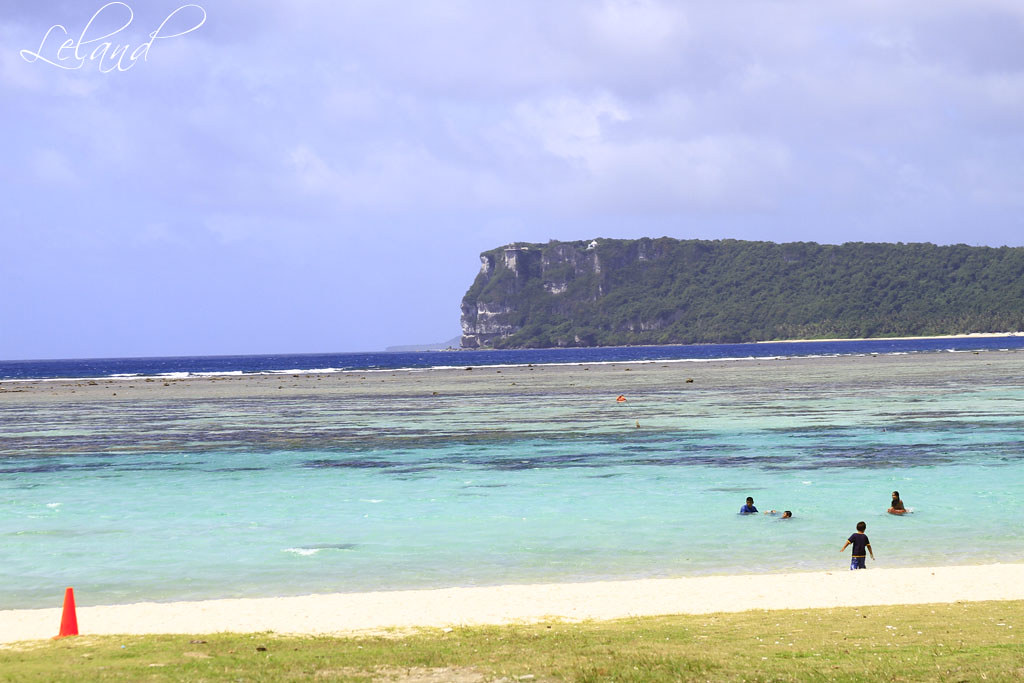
x: 949, y: 642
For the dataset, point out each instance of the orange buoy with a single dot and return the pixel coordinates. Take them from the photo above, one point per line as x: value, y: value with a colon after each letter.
x: 621, y: 399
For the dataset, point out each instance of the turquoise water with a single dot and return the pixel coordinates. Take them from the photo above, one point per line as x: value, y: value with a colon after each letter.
x: 167, y: 499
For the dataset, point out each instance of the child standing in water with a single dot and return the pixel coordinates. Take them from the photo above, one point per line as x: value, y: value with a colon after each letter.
x: 860, y: 542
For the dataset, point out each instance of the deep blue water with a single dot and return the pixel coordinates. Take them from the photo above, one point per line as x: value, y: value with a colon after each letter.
x: 381, y: 360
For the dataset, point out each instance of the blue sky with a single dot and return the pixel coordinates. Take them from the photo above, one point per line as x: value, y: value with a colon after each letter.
x: 321, y: 175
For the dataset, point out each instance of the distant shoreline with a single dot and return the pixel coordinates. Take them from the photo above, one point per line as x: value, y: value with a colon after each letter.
x: 969, y: 335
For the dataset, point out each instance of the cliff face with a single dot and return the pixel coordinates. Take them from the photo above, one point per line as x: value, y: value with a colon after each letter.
x: 492, y: 310
x: 520, y: 279
x: 664, y: 291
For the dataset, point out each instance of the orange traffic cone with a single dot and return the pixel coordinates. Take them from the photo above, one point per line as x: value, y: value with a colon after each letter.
x: 68, y: 620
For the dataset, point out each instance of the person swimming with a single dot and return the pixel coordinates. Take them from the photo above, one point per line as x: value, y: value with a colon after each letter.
x: 897, y: 507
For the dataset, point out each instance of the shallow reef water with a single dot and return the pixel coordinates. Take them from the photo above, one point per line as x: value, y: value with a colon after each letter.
x: 188, y: 499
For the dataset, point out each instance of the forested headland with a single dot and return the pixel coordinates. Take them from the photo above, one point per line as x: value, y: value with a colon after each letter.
x: 607, y: 292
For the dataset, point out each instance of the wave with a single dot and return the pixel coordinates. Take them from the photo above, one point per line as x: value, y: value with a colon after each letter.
x: 307, y: 550
x: 301, y: 364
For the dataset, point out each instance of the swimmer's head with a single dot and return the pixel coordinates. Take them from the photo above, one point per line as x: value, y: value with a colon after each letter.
x: 895, y: 494
x: 861, y: 526
x: 787, y: 514
x: 750, y: 501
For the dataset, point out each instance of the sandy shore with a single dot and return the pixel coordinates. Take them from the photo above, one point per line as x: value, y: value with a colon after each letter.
x: 453, y: 607
x: 969, y: 335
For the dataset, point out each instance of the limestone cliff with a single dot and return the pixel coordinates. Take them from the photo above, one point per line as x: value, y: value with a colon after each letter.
x: 491, y: 310
x: 662, y: 291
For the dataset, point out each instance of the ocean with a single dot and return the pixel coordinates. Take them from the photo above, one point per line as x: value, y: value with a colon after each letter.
x: 183, y: 499
x: 181, y: 366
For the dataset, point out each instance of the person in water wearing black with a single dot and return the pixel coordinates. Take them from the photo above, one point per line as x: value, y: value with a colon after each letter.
x: 749, y: 508
x: 897, y: 505
x: 860, y: 542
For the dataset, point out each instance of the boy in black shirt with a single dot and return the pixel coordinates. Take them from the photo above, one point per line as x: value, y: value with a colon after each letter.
x: 860, y: 542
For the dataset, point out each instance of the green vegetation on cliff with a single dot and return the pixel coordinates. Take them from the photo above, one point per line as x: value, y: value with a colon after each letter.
x: 667, y: 291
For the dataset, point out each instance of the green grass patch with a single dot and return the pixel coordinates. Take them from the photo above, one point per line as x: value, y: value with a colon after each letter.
x: 957, y: 642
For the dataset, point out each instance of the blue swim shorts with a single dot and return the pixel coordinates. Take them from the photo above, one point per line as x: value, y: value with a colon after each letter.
x: 857, y: 563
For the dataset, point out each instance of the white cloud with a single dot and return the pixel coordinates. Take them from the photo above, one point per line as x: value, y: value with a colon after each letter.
x: 158, y: 234
x: 638, y: 26
x: 311, y: 172
x: 353, y: 103
x: 617, y: 106
x: 15, y: 73
x: 233, y: 228
x: 570, y: 127
x: 51, y: 167
x: 21, y: 77
x: 989, y: 187
x: 393, y: 177
x: 1004, y: 91
x: 717, y: 171
x: 617, y: 160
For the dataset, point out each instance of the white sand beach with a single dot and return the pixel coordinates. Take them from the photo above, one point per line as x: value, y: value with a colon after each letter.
x: 454, y: 607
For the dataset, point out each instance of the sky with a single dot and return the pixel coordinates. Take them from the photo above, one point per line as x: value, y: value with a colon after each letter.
x: 322, y: 175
